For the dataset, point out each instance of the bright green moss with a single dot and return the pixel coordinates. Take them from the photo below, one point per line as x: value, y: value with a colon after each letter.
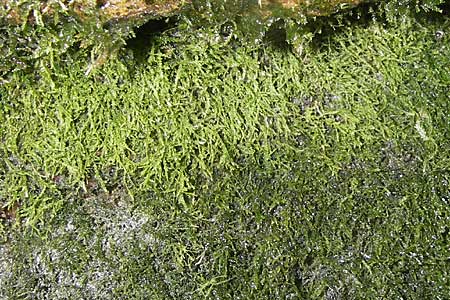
x: 216, y: 170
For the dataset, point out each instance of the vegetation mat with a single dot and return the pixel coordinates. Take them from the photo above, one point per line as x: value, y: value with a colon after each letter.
x: 209, y: 169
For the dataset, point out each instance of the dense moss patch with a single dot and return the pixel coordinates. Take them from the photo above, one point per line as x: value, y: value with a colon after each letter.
x: 210, y: 169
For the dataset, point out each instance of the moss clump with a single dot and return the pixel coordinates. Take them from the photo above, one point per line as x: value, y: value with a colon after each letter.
x: 37, y: 35
x: 217, y: 170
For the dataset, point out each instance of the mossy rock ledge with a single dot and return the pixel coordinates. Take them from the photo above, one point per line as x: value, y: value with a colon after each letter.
x: 147, y: 9
x: 35, y: 34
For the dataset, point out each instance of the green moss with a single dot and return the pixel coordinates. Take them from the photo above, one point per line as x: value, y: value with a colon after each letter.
x: 37, y: 36
x: 216, y: 170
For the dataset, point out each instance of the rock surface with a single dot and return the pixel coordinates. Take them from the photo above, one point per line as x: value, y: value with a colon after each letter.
x: 129, y: 9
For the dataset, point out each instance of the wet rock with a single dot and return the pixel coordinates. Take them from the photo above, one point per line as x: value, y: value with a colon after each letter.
x: 137, y: 9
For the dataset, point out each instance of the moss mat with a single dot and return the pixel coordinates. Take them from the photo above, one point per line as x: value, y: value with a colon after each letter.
x: 206, y: 169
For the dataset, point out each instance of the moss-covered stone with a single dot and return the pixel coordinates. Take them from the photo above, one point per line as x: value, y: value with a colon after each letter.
x: 221, y: 170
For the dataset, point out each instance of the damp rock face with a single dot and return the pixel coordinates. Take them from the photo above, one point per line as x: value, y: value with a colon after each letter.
x: 267, y: 8
x: 106, y: 9
x: 123, y: 9
x: 126, y: 9
x: 293, y: 8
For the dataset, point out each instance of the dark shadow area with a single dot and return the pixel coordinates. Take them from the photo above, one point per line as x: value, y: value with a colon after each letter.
x: 141, y: 43
x: 276, y: 36
x: 328, y: 26
x: 445, y: 8
x: 322, y: 27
